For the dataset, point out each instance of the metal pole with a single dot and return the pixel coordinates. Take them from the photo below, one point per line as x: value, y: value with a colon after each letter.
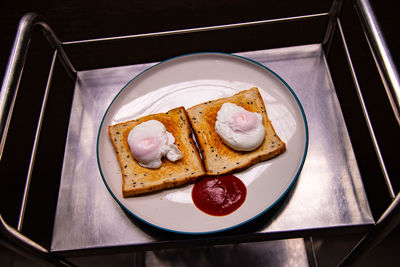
x: 12, y: 77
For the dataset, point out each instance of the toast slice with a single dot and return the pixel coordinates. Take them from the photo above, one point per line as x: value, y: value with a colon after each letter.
x: 140, y: 180
x: 218, y: 158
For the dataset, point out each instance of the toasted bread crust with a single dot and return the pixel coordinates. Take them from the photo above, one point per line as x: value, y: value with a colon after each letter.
x: 218, y: 158
x: 140, y: 180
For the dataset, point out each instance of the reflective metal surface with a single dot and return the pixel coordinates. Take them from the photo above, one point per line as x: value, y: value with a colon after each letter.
x: 291, y: 252
x: 381, y: 53
x: 12, y: 77
x: 366, y: 115
x: 35, y: 144
x: 277, y: 253
x: 194, y: 30
x: 328, y: 193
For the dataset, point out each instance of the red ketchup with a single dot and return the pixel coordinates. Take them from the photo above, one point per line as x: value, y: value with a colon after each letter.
x: 219, y: 195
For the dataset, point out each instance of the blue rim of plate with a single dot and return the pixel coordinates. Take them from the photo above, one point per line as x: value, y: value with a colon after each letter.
x: 238, y: 224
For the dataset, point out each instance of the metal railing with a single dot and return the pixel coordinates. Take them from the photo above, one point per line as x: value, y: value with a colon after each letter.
x: 9, y: 90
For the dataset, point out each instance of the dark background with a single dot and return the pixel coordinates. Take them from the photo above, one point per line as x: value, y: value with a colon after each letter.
x: 76, y: 20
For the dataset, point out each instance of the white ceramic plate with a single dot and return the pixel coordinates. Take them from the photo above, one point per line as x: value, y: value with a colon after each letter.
x: 186, y: 81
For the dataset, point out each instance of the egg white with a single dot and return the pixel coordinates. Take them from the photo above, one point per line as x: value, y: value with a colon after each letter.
x: 240, y: 140
x: 149, y: 141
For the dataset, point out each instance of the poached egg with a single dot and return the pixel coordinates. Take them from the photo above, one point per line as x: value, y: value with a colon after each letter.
x: 239, y: 128
x: 149, y: 141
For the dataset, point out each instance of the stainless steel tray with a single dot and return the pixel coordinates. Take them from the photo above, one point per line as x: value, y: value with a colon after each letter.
x: 329, y: 185
x: 329, y: 196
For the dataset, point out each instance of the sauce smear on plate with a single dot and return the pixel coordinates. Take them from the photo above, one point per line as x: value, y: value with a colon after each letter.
x: 220, y: 195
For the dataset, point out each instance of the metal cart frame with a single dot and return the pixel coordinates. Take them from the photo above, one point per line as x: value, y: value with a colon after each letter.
x: 12, y: 237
